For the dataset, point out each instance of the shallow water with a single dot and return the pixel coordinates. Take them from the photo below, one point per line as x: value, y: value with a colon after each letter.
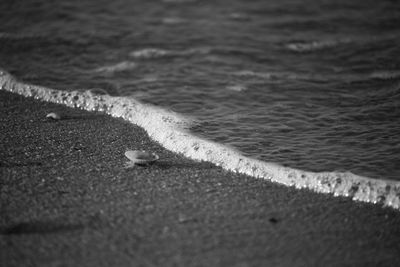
x: 314, y: 86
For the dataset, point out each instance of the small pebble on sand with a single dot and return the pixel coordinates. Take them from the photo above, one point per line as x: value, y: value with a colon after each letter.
x: 137, y: 157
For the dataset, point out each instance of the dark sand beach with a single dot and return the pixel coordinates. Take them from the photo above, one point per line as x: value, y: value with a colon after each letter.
x: 67, y: 200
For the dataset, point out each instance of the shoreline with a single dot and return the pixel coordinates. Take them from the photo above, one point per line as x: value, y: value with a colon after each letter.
x: 168, y: 129
x: 67, y: 200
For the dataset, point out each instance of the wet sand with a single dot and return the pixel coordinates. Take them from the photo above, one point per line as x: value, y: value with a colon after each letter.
x: 67, y: 200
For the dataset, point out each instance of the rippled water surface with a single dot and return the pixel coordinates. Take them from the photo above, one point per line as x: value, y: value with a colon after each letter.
x: 313, y: 85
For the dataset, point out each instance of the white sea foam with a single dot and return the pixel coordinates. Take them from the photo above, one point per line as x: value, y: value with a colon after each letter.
x: 262, y: 75
x: 285, y: 75
x: 271, y: 75
x: 173, y: 20
x: 150, y: 53
x: 170, y: 130
x: 237, y: 87
x: 385, y: 74
x: 118, y: 67
x: 239, y: 16
x: 315, y: 45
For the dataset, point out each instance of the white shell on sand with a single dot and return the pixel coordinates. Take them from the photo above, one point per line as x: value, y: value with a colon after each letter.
x: 140, y: 157
x: 53, y: 116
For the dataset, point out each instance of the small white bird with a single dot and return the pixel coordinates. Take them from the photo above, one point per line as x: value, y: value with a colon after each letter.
x: 137, y: 157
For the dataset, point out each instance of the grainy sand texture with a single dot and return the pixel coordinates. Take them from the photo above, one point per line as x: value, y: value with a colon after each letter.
x: 67, y: 200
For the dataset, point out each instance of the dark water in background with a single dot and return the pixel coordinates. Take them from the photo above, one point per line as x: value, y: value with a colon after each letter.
x: 313, y: 85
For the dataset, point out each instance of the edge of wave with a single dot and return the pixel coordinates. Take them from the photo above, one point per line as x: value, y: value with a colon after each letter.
x: 170, y: 130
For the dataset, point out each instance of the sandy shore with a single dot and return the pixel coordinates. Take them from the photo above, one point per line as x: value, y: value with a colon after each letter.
x: 66, y: 200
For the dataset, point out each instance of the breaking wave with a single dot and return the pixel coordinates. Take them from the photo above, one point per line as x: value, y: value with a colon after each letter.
x: 151, y: 53
x: 173, y: 20
x: 237, y: 87
x: 267, y: 75
x: 171, y: 131
x: 386, y: 75
x: 315, y: 45
x: 118, y: 67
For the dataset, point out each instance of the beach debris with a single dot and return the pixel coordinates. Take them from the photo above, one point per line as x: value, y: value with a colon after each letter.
x: 137, y: 157
x: 53, y: 116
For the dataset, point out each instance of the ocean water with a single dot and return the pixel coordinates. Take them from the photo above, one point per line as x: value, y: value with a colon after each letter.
x: 306, y: 93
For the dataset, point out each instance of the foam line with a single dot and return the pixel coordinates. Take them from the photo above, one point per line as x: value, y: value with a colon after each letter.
x: 315, y: 45
x: 386, y: 74
x: 118, y: 67
x: 170, y: 130
x: 153, y: 53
